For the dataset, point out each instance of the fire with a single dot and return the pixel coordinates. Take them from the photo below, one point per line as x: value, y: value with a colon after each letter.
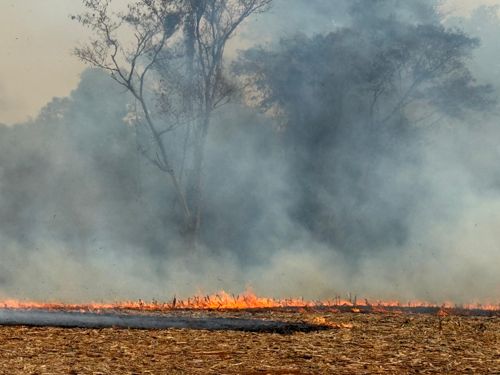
x: 247, y: 300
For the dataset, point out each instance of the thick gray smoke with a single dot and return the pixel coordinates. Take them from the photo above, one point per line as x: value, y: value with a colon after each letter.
x: 312, y: 189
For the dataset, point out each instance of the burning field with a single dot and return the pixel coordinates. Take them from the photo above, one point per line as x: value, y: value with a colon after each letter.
x: 303, y: 148
x: 284, y: 337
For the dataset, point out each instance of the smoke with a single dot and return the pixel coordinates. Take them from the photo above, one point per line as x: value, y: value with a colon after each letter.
x: 316, y: 205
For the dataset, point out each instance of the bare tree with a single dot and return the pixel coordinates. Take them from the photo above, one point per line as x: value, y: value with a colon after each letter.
x: 208, y: 27
x: 202, y: 28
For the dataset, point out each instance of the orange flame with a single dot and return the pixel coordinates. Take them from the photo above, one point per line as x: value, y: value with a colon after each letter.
x: 225, y: 301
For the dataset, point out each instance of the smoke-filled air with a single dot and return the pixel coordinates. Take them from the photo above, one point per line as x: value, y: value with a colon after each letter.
x: 306, y: 148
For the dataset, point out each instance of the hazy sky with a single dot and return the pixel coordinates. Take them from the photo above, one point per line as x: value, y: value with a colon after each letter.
x: 36, y: 39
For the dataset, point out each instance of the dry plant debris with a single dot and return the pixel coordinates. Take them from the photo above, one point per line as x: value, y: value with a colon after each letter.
x: 356, y: 344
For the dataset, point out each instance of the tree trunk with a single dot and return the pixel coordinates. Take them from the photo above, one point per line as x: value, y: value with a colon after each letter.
x: 191, y: 229
x: 199, y: 160
x: 196, y: 181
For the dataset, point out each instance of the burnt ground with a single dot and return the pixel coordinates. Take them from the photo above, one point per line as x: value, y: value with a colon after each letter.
x: 356, y: 343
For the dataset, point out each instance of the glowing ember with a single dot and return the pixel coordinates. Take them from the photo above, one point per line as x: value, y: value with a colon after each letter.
x: 246, y: 300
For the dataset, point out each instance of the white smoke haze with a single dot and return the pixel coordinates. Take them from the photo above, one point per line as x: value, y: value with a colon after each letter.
x: 84, y: 217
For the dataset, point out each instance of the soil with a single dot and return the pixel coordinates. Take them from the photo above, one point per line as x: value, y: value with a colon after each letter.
x: 354, y: 343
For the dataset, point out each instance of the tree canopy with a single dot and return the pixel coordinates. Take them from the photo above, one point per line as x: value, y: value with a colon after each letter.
x: 350, y: 99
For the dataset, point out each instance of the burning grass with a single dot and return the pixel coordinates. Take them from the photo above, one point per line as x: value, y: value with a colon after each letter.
x: 346, y: 337
x: 357, y: 343
x: 248, y: 300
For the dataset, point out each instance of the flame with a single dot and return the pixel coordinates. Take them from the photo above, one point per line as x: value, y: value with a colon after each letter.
x: 247, y: 300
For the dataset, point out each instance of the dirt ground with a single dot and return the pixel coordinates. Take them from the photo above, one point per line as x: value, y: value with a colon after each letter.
x: 356, y: 344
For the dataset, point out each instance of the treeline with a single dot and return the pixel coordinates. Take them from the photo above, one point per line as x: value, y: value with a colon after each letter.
x: 322, y: 139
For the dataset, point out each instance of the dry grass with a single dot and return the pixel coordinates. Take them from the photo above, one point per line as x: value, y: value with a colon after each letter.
x: 356, y: 344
